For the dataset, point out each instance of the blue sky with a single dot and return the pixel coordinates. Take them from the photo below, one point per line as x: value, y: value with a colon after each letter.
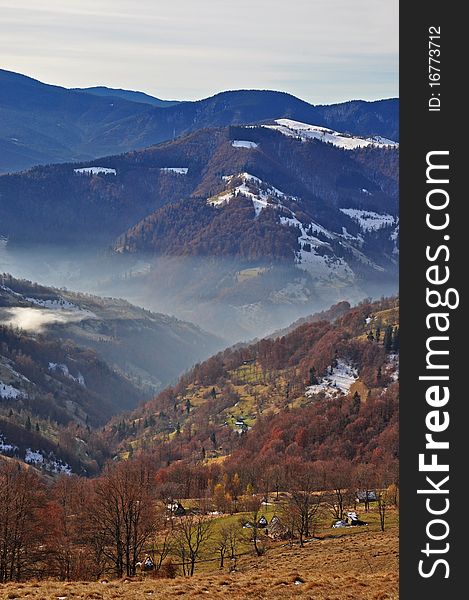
x: 320, y: 50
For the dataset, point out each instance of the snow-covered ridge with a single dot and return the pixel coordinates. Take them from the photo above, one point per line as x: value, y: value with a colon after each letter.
x: 306, y: 132
x: 338, y: 380
x: 243, y: 144
x: 368, y: 220
x: 95, y: 171
x: 263, y: 196
x: 177, y: 170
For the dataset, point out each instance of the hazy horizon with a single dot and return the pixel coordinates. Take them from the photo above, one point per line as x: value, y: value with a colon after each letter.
x: 220, y: 91
x: 323, y: 51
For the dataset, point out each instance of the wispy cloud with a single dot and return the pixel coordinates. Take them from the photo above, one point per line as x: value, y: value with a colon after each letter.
x: 321, y: 50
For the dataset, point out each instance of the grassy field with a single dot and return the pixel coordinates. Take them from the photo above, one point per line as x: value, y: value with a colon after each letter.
x: 343, y: 564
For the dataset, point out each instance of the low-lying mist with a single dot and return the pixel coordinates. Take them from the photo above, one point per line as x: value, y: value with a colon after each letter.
x: 232, y: 299
x: 37, y: 319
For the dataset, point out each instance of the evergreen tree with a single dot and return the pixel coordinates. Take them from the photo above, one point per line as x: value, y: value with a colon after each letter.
x: 213, y: 393
x: 395, y: 340
x: 370, y: 336
x: 178, y: 429
x: 313, y: 380
x: 378, y: 334
x: 356, y: 403
x: 213, y: 439
x: 388, y: 339
x: 28, y: 423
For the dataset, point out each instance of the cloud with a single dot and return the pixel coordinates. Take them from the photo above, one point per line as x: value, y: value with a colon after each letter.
x: 326, y: 49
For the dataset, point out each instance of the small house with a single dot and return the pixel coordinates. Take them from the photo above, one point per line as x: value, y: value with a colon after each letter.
x: 176, y: 509
x: 366, y: 496
x: 277, y: 530
x: 262, y: 522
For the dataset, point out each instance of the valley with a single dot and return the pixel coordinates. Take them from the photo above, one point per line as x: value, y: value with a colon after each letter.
x: 176, y: 227
x: 199, y: 345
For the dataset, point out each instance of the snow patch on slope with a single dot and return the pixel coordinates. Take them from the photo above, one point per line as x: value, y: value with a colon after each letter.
x: 243, y: 144
x: 49, y: 463
x: 320, y: 265
x: 62, y: 368
x: 10, y: 392
x: 7, y: 448
x: 338, y: 380
x: 95, y: 171
x: 177, y: 170
x: 57, y: 303
x: 368, y: 220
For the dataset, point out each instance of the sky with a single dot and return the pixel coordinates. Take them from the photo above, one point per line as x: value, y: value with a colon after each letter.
x: 322, y: 51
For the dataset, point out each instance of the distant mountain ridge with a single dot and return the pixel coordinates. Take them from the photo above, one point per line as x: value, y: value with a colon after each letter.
x: 131, y: 95
x: 253, y: 218
x: 41, y: 123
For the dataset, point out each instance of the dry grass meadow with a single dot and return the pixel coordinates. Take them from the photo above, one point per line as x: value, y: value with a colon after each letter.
x: 358, y: 564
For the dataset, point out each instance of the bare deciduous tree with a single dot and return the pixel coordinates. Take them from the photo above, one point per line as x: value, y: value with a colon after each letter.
x: 382, y: 505
x: 191, y: 536
x: 253, y: 506
x: 301, y: 511
x: 122, y: 514
x: 20, y: 491
x: 227, y: 544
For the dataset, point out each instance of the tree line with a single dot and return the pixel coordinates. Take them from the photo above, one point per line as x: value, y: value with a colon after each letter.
x: 80, y: 529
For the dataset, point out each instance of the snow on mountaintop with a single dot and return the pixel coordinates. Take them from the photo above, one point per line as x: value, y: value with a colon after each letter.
x: 243, y: 144
x: 263, y: 196
x: 369, y: 221
x: 341, y: 140
x: 177, y: 170
x: 95, y: 171
x: 338, y: 380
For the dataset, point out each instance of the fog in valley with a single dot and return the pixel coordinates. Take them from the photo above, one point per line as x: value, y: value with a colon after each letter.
x: 230, y: 299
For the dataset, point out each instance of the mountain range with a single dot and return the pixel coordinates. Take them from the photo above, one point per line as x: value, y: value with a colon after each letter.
x: 260, y: 222
x: 42, y: 124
